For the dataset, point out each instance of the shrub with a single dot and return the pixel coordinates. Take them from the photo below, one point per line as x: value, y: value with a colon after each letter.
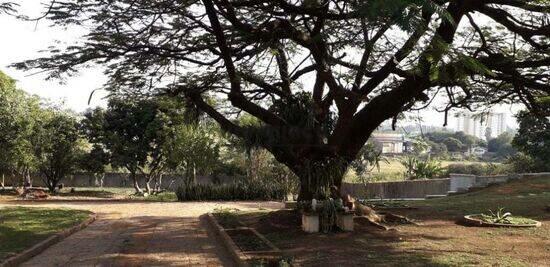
x: 421, y: 169
x: 478, y: 169
x: 233, y: 191
x: 522, y: 163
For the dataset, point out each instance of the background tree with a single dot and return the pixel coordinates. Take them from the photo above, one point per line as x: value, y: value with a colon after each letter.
x: 321, y: 76
x: 533, y: 139
x: 502, y: 145
x: 453, y: 144
x: 193, y: 149
x: 437, y: 149
x: 95, y: 161
x: 56, y: 146
x: 18, y: 113
x: 134, y: 133
x: 368, y: 160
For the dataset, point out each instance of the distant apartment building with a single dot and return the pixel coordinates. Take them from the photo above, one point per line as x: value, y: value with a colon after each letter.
x: 490, y: 125
x: 390, y: 143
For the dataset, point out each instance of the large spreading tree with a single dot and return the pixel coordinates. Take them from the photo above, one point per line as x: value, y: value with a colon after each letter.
x: 321, y: 75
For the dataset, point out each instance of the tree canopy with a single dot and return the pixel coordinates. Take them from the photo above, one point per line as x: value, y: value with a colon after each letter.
x: 454, y: 141
x: 18, y: 114
x: 321, y: 75
x: 135, y: 134
x: 56, y: 146
x: 533, y: 139
x: 502, y: 145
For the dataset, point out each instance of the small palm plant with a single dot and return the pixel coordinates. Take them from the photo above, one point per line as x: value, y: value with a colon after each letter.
x: 421, y: 169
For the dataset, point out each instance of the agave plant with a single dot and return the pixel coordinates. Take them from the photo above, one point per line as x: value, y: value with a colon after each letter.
x: 499, y: 217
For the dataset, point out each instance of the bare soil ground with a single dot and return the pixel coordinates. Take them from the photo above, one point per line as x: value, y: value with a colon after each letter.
x: 438, y: 241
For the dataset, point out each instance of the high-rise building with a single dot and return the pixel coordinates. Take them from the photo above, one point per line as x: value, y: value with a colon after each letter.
x: 484, y: 126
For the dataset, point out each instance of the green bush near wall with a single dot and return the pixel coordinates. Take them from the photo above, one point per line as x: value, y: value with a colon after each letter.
x: 233, y: 191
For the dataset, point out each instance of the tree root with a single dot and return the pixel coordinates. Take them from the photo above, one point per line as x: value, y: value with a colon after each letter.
x: 394, y: 218
x: 372, y: 217
x: 377, y: 219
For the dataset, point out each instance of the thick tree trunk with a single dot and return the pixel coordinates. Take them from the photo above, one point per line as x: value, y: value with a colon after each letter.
x: 317, y: 177
x: 3, y: 182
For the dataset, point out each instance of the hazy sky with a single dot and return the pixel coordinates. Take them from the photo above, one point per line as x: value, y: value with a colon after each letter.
x: 23, y: 40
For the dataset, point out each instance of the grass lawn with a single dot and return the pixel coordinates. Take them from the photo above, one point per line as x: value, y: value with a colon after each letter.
x: 22, y: 227
x: 393, y: 170
x: 395, y: 166
x: 438, y: 241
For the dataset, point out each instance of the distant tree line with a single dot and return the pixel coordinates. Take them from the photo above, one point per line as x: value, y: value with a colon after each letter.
x: 149, y: 137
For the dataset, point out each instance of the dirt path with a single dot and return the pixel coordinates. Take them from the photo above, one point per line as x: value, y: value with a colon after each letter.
x: 140, y: 234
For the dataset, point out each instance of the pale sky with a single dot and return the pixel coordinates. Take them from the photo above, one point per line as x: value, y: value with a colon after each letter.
x: 23, y: 40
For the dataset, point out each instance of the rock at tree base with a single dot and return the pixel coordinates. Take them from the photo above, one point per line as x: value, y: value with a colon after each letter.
x: 31, y: 193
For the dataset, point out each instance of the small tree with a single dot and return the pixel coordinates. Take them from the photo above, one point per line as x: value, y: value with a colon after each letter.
x: 193, y: 149
x: 56, y: 146
x: 134, y: 134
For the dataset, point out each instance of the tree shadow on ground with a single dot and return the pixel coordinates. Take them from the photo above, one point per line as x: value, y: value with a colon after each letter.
x: 439, y: 243
x: 139, y: 241
x: 14, y: 240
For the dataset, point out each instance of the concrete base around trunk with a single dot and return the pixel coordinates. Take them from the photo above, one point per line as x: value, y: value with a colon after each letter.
x: 310, y: 223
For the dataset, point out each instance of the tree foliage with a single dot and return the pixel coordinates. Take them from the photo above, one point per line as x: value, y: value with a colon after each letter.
x: 533, y: 139
x: 454, y: 141
x: 502, y: 145
x: 364, y: 61
x: 135, y: 134
x: 95, y: 161
x: 8, y: 7
x: 193, y: 149
x: 56, y: 146
x: 18, y: 115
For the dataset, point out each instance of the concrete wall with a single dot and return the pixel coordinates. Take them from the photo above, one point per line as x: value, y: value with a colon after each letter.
x: 421, y: 188
x: 404, y: 189
x: 462, y: 182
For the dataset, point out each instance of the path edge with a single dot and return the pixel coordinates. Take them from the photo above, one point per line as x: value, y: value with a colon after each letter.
x: 50, y: 241
x: 237, y: 255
